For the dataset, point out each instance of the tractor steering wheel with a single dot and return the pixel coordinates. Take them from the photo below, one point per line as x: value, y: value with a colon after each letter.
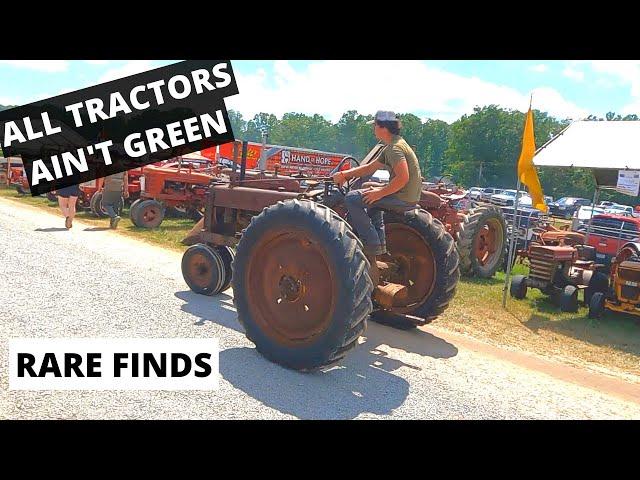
x: 344, y: 189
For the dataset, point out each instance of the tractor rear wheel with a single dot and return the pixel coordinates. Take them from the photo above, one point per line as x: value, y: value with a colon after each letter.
x: 482, y: 242
x: 301, y: 285
x: 203, y: 269
x: 148, y: 214
x: 598, y: 282
x: 569, y: 299
x: 428, y: 265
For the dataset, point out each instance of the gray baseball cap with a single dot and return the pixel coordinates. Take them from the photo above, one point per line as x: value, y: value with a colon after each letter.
x: 383, y: 116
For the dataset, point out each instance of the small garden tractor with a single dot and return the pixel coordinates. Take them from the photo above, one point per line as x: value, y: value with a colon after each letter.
x: 624, y: 292
x: 560, y: 266
x: 301, y: 281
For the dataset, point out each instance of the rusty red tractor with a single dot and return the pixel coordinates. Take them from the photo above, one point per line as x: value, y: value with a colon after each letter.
x: 178, y: 185
x: 301, y: 281
x: 480, y: 232
x: 560, y: 266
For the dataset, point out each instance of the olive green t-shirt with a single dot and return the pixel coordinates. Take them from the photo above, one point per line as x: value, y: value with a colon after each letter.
x: 395, y: 152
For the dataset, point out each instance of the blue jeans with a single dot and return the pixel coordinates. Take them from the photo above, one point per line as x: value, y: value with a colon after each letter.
x: 111, y: 202
x: 368, y: 220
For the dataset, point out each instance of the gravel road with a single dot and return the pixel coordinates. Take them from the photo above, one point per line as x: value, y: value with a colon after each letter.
x: 90, y: 282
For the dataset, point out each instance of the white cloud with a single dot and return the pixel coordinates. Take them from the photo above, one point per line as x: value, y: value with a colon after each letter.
x: 130, y: 68
x: 330, y: 88
x: 624, y: 72
x: 50, y: 66
x: 97, y: 62
x: 573, y: 73
x: 8, y: 101
x: 540, y: 68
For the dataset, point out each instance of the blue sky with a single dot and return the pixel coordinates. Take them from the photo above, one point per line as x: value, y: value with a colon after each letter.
x: 434, y: 89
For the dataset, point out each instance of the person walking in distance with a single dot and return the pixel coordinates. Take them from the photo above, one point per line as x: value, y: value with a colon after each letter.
x: 366, y: 206
x: 115, y: 187
x: 67, y: 199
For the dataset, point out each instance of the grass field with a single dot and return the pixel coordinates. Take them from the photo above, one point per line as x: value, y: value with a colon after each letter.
x: 536, y: 325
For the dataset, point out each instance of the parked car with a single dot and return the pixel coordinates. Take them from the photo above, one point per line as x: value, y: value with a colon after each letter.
x: 475, y: 192
x: 609, y: 233
x: 507, y: 198
x: 567, y: 206
x: 485, y: 196
x: 605, y: 204
x: 583, y: 214
x: 618, y: 209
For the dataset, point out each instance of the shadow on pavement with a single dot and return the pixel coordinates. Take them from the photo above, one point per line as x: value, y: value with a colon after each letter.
x: 218, y: 309
x: 363, y: 382
x: 51, y: 229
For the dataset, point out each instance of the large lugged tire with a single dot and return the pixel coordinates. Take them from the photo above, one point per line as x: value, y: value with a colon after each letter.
x: 429, y: 265
x: 482, y: 242
x: 148, y: 214
x: 301, y: 285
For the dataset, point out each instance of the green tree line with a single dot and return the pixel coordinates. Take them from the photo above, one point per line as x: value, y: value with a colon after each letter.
x: 479, y: 149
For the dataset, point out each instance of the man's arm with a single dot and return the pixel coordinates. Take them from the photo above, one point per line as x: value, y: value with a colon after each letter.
x: 356, y: 172
x: 401, y: 178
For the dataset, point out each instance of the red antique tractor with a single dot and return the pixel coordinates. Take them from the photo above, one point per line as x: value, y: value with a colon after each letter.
x: 560, y: 266
x: 480, y: 232
x: 180, y: 185
x: 301, y: 281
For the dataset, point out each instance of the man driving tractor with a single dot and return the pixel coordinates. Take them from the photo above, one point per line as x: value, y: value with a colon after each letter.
x: 366, y: 205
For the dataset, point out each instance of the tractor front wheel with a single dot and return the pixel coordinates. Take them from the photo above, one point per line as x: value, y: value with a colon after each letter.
x: 569, y: 299
x: 301, y: 285
x: 518, y: 288
x: 203, y: 269
x: 148, y: 214
x: 596, y: 305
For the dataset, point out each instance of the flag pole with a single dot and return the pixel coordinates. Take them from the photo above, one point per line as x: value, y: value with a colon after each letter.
x: 512, y: 242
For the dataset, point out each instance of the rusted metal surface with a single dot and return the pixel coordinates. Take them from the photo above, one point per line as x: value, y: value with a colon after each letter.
x: 200, y: 270
x: 194, y: 235
x: 217, y: 239
x: 245, y: 198
x: 416, y: 267
x: 292, y: 287
x: 390, y: 294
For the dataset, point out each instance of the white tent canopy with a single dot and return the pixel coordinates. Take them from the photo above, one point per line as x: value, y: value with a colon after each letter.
x: 594, y: 144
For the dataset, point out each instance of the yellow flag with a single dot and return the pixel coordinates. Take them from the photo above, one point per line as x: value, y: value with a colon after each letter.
x: 526, y: 170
